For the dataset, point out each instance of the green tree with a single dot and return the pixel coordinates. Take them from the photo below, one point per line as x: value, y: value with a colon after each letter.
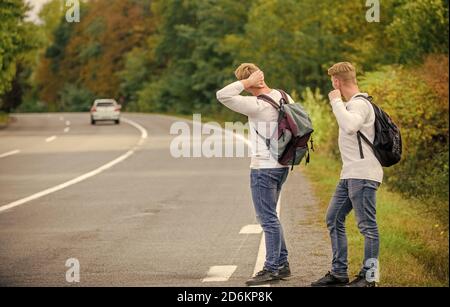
x: 13, y: 40
x: 19, y: 43
x: 133, y: 76
x: 419, y: 28
x: 188, y: 51
x: 51, y: 15
x: 88, y: 55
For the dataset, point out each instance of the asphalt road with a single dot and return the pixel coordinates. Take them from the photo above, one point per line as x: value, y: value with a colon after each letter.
x: 148, y: 220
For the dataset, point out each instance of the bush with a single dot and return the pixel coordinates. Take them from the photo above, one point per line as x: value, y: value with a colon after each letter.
x: 324, y: 123
x: 76, y: 99
x: 422, y: 116
x: 32, y: 106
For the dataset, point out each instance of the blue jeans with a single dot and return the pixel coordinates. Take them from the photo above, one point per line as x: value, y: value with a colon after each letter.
x: 266, y: 187
x: 360, y: 195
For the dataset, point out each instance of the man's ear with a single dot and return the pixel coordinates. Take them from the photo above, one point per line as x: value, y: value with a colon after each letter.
x: 336, y: 83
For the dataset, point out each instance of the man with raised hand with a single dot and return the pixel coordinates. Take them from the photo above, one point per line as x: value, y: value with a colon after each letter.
x: 267, y: 175
x: 360, y: 178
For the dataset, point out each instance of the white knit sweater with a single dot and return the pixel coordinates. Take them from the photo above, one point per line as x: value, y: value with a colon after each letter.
x: 356, y: 115
x: 261, y: 116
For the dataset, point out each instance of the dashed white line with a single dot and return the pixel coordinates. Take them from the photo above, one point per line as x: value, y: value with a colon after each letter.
x: 61, y: 118
x: 67, y: 129
x: 251, y: 229
x: 9, y: 153
x: 67, y: 122
x: 82, y: 177
x: 260, y: 259
x: 50, y: 139
x: 219, y: 273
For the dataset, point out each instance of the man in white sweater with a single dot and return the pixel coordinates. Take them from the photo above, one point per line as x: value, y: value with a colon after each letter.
x: 267, y: 175
x: 360, y: 178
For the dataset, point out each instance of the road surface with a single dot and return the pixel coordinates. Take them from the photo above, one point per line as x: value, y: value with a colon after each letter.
x: 131, y: 214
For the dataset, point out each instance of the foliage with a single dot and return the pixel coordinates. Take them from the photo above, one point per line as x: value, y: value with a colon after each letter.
x: 325, y: 126
x: 419, y: 28
x: 423, y: 118
x: 187, y: 48
x: 15, y: 40
x: 88, y: 55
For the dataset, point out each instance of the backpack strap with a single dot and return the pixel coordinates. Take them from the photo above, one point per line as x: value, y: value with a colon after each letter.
x: 267, y: 141
x: 359, y: 134
x: 273, y: 103
x: 369, y: 98
x: 270, y: 101
x: 284, y: 97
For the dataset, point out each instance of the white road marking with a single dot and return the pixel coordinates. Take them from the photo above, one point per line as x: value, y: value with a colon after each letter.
x: 261, y: 257
x: 251, y: 229
x: 61, y: 118
x: 219, y: 273
x: 84, y: 176
x: 143, y: 131
x: 67, y: 122
x: 50, y: 139
x: 9, y: 153
x: 67, y: 129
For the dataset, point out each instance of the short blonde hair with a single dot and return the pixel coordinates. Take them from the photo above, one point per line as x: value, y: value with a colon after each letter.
x: 245, y: 70
x: 344, y: 71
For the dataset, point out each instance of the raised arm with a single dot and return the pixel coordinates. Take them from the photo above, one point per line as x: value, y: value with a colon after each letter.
x: 231, y: 96
x: 350, y: 118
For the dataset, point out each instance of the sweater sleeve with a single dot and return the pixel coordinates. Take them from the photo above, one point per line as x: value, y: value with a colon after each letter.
x: 350, y: 118
x: 231, y: 98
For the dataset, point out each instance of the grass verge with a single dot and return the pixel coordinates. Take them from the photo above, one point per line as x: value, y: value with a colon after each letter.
x: 414, y: 244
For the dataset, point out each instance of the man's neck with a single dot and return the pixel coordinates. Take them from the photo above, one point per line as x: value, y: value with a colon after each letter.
x: 260, y: 91
x: 350, y: 93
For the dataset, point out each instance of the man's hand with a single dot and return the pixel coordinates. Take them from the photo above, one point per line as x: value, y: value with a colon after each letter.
x: 256, y: 79
x: 335, y: 94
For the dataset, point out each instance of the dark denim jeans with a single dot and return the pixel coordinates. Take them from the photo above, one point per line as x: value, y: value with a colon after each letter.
x: 266, y: 187
x: 360, y: 195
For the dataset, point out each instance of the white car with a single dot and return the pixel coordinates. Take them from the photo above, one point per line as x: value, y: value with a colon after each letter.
x: 105, y: 109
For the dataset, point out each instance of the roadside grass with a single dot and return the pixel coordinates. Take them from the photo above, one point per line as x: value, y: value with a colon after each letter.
x: 414, y: 244
x: 3, y: 119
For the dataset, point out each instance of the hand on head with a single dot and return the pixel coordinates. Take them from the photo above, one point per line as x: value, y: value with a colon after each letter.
x: 256, y: 80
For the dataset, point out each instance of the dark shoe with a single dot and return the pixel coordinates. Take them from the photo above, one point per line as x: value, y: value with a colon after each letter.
x: 329, y: 280
x: 263, y: 277
x: 361, y: 282
x: 284, y: 271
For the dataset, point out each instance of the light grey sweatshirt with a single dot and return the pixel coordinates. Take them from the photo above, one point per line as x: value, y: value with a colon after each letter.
x: 357, y: 115
x: 261, y: 116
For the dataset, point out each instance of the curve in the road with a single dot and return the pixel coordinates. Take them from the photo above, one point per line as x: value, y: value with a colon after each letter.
x: 85, y: 176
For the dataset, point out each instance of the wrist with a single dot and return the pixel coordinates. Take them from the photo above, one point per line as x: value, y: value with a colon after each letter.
x: 335, y: 100
x: 246, y: 83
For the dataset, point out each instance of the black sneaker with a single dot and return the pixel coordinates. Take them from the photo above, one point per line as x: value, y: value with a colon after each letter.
x: 263, y: 277
x: 361, y: 282
x: 329, y: 280
x: 284, y: 271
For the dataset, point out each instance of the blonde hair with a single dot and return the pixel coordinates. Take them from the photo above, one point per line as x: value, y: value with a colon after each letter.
x: 344, y: 71
x: 245, y: 70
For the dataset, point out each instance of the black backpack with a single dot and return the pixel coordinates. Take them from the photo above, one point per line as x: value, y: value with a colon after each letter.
x: 387, y: 145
